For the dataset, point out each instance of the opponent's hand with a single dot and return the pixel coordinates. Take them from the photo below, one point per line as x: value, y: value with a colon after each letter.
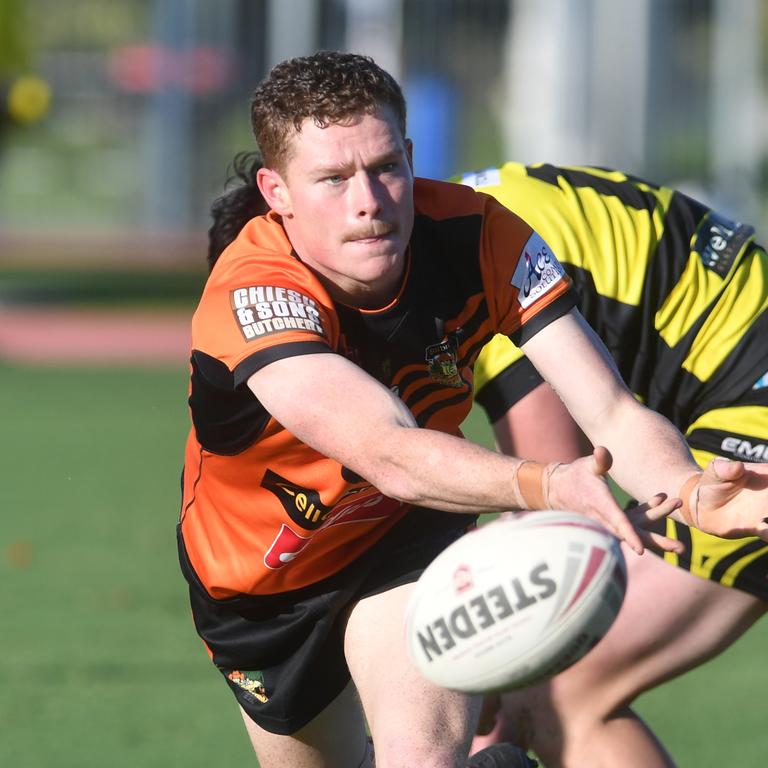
x: 644, y: 515
x: 581, y: 486
x: 731, y: 500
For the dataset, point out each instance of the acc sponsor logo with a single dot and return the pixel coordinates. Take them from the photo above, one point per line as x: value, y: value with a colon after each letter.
x: 488, y: 177
x: 762, y: 382
x: 480, y: 613
x: 264, y: 309
x: 252, y: 684
x: 537, y: 271
x: 744, y: 450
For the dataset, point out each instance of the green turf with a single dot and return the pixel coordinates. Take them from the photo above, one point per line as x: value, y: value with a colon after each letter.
x: 118, y: 288
x: 99, y: 663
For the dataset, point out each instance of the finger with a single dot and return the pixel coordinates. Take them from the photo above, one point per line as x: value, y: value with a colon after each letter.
x: 758, y: 469
x: 635, y: 506
x: 655, y: 509
x: 619, y: 524
x: 724, y: 470
x: 660, y: 543
x: 602, y: 460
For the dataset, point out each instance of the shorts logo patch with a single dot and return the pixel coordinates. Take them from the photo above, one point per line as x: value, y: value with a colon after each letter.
x: 261, y: 310
x: 762, y: 382
x: 537, y: 271
x: 252, y: 684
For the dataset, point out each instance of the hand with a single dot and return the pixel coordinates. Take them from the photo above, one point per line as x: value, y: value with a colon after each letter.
x: 643, y: 515
x: 731, y: 499
x: 581, y: 487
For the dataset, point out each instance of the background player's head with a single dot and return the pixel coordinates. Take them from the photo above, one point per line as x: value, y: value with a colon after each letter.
x: 326, y: 87
x: 234, y: 208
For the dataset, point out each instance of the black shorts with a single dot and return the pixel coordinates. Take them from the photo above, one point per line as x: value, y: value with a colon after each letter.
x: 283, y: 655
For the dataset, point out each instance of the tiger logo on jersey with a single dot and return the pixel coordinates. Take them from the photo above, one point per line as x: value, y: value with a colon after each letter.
x: 537, y: 271
x: 443, y: 361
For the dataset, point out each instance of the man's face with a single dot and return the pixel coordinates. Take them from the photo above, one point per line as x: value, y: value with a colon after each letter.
x: 346, y: 198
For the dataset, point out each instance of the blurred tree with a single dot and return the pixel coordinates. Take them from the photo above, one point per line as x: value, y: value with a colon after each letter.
x: 25, y: 97
x: 14, y: 54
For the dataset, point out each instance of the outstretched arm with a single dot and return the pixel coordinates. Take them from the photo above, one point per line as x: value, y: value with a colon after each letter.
x: 338, y: 409
x: 650, y: 455
x: 729, y: 498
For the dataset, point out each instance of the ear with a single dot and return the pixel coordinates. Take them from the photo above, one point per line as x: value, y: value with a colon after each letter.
x: 274, y: 191
x: 409, y: 152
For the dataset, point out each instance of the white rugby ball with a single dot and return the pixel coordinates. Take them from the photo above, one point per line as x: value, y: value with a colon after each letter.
x: 515, y: 601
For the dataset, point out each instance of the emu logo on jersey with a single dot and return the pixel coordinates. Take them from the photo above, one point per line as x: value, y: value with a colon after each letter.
x: 537, y: 271
x: 744, y: 450
x: 260, y: 310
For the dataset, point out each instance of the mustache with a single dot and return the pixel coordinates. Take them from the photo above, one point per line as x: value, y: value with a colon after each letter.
x: 373, y: 229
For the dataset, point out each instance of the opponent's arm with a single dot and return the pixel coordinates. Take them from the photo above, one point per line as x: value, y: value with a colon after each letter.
x: 650, y: 454
x: 539, y: 427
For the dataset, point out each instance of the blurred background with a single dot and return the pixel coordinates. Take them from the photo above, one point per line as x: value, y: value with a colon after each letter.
x: 120, y: 118
x: 118, y: 122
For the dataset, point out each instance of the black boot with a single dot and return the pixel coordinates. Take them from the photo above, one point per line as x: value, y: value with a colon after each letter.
x: 504, y: 755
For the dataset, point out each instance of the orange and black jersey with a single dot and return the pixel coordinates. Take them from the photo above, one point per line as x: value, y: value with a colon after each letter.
x: 261, y: 511
x: 676, y: 291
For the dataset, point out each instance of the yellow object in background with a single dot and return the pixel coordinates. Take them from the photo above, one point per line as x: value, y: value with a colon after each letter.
x: 29, y: 98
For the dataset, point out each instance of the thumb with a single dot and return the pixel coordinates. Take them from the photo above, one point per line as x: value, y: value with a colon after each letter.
x: 722, y: 470
x: 601, y: 460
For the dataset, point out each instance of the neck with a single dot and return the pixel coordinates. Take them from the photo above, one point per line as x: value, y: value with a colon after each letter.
x: 365, y: 295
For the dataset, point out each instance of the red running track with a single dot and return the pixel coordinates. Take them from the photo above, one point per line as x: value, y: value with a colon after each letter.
x: 81, y: 336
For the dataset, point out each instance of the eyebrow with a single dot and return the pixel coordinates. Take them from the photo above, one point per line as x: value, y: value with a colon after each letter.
x: 395, y: 154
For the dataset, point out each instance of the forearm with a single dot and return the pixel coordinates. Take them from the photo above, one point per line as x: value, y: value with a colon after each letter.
x: 433, y: 469
x: 356, y: 421
x: 649, y: 453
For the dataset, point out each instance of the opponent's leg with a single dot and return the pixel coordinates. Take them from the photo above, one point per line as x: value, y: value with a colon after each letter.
x: 336, y: 738
x: 413, y: 722
x: 671, y: 621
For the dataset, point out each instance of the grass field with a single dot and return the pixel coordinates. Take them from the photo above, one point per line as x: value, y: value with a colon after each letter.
x: 99, y: 663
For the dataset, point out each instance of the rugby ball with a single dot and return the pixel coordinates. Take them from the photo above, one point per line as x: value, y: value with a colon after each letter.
x: 515, y: 601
